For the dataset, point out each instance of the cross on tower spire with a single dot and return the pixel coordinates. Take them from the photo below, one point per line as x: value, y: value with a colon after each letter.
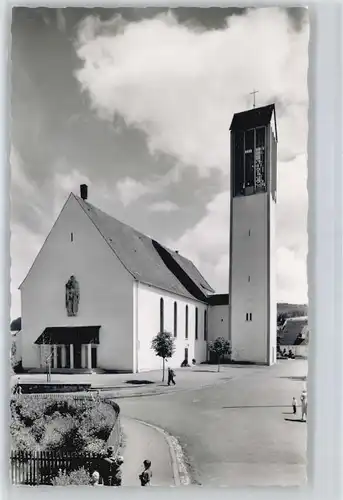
x: 254, y: 96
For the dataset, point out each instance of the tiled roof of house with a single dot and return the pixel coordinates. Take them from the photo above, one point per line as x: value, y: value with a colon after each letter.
x: 145, y: 259
x: 293, y: 330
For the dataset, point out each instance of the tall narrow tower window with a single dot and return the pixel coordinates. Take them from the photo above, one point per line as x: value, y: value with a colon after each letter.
x: 186, y: 322
x: 161, y: 314
x: 71, y: 237
x: 249, y: 160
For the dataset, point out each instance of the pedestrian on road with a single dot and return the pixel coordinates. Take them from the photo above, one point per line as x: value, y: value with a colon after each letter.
x: 294, y: 405
x: 171, y: 376
x: 303, y: 399
x: 111, y: 471
x: 146, y: 475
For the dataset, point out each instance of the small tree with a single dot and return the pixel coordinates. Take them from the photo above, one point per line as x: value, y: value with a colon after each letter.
x: 221, y: 347
x: 163, y: 345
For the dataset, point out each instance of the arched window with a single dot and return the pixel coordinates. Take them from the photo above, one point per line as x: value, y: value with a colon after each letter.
x: 161, y: 315
x: 186, y: 322
x: 175, y: 319
x: 196, y: 323
x: 205, y: 325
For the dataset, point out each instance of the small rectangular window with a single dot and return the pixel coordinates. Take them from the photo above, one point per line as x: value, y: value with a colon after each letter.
x: 250, y: 317
x: 71, y: 237
x: 249, y: 232
x: 248, y: 279
x: 247, y: 317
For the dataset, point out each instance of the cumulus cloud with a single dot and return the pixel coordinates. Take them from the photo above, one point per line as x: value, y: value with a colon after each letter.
x: 163, y: 206
x: 181, y: 86
x: 130, y: 190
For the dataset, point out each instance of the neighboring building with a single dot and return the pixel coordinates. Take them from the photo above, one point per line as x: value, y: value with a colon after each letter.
x: 294, y: 336
x: 99, y: 291
x: 252, y: 287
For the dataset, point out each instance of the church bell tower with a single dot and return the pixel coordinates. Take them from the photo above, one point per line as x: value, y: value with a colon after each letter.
x: 252, y: 289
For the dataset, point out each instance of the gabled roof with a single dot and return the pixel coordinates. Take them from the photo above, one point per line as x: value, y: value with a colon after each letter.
x: 145, y: 259
x: 192, y: 271
x: 292, y: 330
x: 252, y: 118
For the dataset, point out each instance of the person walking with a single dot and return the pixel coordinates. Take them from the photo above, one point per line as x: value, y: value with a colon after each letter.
x: 303, y: 399
x: 294, y: 406
x: 146, y: 475
x: 171, y: 375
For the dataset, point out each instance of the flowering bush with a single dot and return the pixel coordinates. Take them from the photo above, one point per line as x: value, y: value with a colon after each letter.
x: 75, y: 478
x: 64, y: 424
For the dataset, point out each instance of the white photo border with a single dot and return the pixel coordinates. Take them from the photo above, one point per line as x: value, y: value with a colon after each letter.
x: 325, y: 263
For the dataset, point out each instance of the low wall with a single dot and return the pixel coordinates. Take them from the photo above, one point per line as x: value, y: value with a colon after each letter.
x: 53, y: 388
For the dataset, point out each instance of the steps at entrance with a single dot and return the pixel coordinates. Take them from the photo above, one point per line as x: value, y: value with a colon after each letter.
x: 67, y: 371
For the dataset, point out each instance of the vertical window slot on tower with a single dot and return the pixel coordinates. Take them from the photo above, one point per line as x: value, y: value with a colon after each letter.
x: 71, y: 237
x: 248, y: 279
x: 249, y: 232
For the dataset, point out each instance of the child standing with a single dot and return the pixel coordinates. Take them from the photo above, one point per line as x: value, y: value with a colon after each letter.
x: 294, y: 406
x: 146, y: 474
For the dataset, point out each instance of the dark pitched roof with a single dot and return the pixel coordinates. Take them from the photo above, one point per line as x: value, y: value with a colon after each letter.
x: 256, y: 117
x: 291, y: 331
x: 145, y: 259
x: 190, y: 269
x: 219, y: 299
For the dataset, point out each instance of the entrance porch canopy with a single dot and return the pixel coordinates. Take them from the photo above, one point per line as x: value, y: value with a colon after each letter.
x: 64, y: 335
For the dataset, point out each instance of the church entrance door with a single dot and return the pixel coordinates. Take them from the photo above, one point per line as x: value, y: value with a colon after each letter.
x: 186, y: 355
x: 94, y: 357
x: 77, y: 356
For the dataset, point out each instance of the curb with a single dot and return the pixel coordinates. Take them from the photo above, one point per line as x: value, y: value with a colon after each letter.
x: 160, y: 392
x: 180, y: 471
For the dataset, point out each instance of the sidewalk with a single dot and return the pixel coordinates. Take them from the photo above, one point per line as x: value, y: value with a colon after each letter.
x: 144, y: 442
x: 149, y: 383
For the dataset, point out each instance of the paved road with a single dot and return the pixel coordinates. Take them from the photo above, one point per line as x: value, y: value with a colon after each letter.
x: 144, y: 442
x: 236, y: 433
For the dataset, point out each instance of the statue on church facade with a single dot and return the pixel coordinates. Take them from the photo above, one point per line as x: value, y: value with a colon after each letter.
x: 72, y: 296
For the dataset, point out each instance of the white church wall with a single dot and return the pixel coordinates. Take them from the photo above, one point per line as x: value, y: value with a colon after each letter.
x: 148, y: 307
x: 105, y: 290
x: 249, y: 292
x: 218, y: 322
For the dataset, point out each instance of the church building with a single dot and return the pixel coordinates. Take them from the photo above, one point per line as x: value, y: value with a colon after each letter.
x: 99, y: 291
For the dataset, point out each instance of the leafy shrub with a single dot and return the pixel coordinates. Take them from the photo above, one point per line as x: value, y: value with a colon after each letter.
x: 66, y: 424
x: 75, y: 478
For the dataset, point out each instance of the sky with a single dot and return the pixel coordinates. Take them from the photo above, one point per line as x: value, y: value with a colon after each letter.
x: 137, y: 104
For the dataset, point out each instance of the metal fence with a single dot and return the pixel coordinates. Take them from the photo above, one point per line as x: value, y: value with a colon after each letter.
x: 40, y: 468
